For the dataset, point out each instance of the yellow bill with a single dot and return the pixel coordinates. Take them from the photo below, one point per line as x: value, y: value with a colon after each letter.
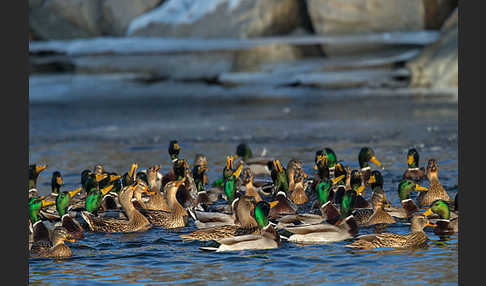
x: 105, y: 191
x: 410, y: 159
x: 100, y: 177
x: 47, y: 203
x: 114, y: 178
x: 74, y: 192
x: 238, y: 171
x: 420, y: 188
x: 71, y: 240
x: 375, y: 161
x: 59, y: 181
x: 337, y: 179
x: 372, y: 179
x: 428, y: 212
x: 273, y: 204
x: 360, y: 190
x: 431, y: 224
x: 133, y: 170
x: 40, y: 168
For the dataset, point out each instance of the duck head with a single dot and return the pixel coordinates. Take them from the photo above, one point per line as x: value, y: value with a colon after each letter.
x: 376, y: 180
x: 59, y: 235
x: 63, y: 200
x: 35, y: 205
x: 56, y: 182
x: 406, y: 187
x: 174, y: 150
x: 244, y: 152
x: 419, y: 222
x: 366, y: 155
x: 34, y: 171
x: 413, y: 158
x: 440, y: 208
x: 432, y: 169
x: 325, y: 158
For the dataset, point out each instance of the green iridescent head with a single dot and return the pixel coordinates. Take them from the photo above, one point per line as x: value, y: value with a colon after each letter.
x: 413, y: 158
x: 262, y: 209
x: 35, y: 205
x: 406, y: 187
x: 244, y: 152
x: 440, y: 208
x: 62, y: 203
x: 325, y: 158
x: 366, y: 155
x: 324, y: 191
x: 347, y: 204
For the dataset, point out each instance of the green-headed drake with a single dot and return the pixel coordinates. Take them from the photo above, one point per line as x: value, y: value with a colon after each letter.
x: 365, y: 156
x: 416, y: 238
x: 267, y: 238
x: 414, y: 172
x: 56, y: 184
x: 174, y: 151
x: 136, y: 221
x: 327, y: 159
x: 408, y: 207
x: 436, y: 191
x: 258, y: 165
x: 34, y: 171
x: 334, y: 216
x: 94, y: 199
x: 446, y: 224
x: 35, y: 206
x: 67, y: 221
x: 231, y: 179
x: 279, y: 178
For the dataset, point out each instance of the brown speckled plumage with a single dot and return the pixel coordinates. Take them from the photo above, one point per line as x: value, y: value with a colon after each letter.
x: 436, y: 191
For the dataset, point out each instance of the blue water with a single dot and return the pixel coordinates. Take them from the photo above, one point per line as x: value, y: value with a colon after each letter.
x: 77, y: 134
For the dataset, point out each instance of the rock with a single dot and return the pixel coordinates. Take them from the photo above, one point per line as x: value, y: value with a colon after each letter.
x: 338, y: 17
x: 117, y: 14
x: 437, y: 11
x: 437, y: 65
x: 219, y: 18
x: 65, y: 19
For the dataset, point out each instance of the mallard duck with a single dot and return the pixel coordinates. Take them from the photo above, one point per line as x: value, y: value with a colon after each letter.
x: 200, y: 177
x: 327, y: 159
x: 299, y: 185
x: 436, y: 191
x: 231, y: 182
x: 250, y: 188
x: 95, y: 199
x: 157, y: 200
x: 416, y: 238
x: 136, y: 221
x: 174, y: 150
x: 375, y: 215
x: 323, y: 233
x: 258, y: 165
x: 279, y: 178
x: 326, y: 192
x: 243, y: 222
x: 356, y: 184
x: 55, y: 247
x: 34, y: 171
x: 35, y: 206
x: 445, y: 224
x: 266, y: 238
x: 177, y: 217
x: 413, y: 172
x: 366, y: 155
x: 408, y: 208
x: 334, y: 216
x: 293, y: 167
x: 281, y: 206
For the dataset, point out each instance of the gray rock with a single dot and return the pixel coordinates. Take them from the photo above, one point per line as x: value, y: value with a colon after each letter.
x: 65, y: 19
x: 117, y: 14
x: 437, y: 65
x: 344, y: 17
x: 218, y: 18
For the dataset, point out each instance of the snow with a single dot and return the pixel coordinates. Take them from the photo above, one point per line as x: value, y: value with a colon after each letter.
x: 176, y: 12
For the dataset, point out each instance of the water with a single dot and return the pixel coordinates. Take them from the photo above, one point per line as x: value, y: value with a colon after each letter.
x: 79, y: 131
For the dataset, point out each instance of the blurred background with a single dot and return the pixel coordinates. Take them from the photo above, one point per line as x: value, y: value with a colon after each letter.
x: 113, y: 81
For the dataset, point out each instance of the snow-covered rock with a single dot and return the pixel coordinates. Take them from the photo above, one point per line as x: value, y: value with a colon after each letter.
x: 218, y: 18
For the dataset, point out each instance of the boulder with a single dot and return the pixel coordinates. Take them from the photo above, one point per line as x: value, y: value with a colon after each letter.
x: 437, y: 65
x: 437, y: 11
x: 65, y: 19
x: 117, y: 14
x: 219, y: 18
x: 344, y: 17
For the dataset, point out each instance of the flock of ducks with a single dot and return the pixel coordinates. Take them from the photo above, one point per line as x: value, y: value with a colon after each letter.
x: 243, y: 209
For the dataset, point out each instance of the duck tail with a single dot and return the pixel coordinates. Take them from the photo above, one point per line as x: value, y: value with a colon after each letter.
x: 87, y: 218
x: 350, y: 225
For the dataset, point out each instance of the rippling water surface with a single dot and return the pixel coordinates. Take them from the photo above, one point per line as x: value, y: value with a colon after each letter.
x: 71, y: 135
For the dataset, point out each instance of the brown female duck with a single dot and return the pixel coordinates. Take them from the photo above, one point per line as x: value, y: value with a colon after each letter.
x: 55, y: 247
x: 436, y: 191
